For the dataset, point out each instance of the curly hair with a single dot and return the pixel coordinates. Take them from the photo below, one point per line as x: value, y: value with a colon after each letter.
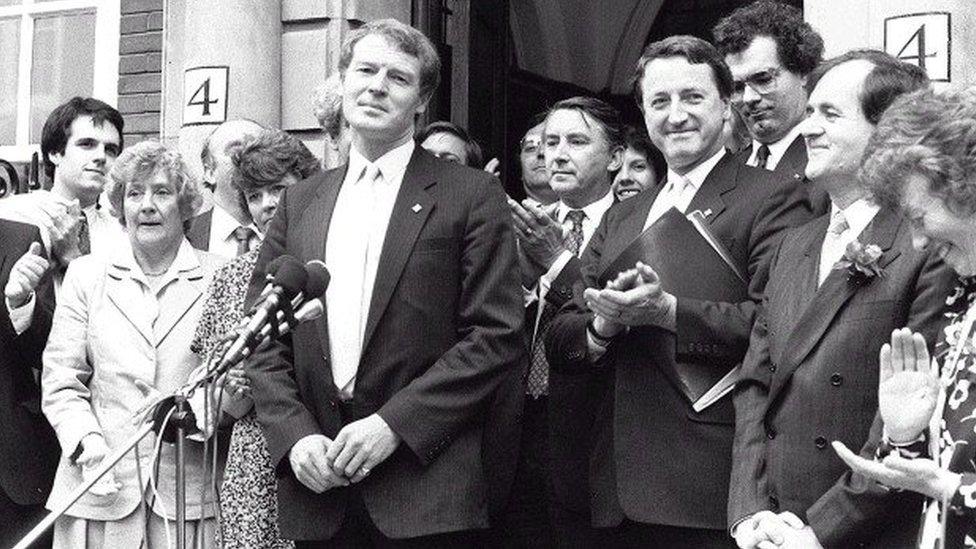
x: 268, y: 158
x: 328, y: 106
x: 799, y: 47
x: 928, y: 134
x: 143, y: 161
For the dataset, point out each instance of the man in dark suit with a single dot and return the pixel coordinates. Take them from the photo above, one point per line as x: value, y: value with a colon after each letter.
x: 659, y: 470
x: 375, y: 413
x: 770, y: 51
x: 226, y: 229
x: 583, y: 143
x: 810, y: 376
x: 29, y: 451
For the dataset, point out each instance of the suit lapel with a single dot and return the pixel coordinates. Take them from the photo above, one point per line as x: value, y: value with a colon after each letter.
x: 794, y: 160
x: 723, y: 178
x: 831, y: 297
x: 314, y: 224
x: 630, y: 227
x: 411, y: 209
x: 122, y: 288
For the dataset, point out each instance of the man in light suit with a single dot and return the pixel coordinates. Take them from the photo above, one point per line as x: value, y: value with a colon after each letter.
x: 226, y: 229
x: 583, y: 140
x: 28, y: 447
x: 375, y: 413
x: 659, y: 470
x: 810, y: 376
x: 770, y: 50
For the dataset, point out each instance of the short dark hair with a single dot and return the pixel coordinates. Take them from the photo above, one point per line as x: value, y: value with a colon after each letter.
x: 57, y: 127
x: 929, y: 134
x: 472, y: 150
x: 269, y: 157
x: 599, y: 110
x: 799, y: 47
x: 406, y: 39
x: 889, y: 79
x: 637, y: 139
x: 695, y: 50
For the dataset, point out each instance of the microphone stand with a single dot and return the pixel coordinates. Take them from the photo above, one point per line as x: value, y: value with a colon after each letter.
x: 181, y: 424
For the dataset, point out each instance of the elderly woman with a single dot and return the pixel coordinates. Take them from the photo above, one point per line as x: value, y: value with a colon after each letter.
x: 121, y: 336
x: 923, y: 158
x: 264, y: 167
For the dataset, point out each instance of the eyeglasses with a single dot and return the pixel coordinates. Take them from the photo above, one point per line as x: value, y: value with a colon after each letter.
x: 762, y: 82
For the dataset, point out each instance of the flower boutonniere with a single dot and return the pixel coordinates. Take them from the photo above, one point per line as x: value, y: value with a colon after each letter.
x: 861, y: 261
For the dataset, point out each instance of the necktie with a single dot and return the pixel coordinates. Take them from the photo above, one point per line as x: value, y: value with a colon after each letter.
x: 84, y: 236
x: 243, y: 236
x: 762, y: 156
x: 351, y: 296
x: 538, y: 382
x: 833, y: 245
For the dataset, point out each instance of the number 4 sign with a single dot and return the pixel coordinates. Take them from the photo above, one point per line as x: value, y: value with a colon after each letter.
x: 922, y: 39
x: 205, y: 95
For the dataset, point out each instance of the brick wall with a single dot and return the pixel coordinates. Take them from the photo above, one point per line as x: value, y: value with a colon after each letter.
x: 140, y: 68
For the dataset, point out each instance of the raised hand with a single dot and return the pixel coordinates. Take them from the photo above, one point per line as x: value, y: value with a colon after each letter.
x: 540, y: 238
x: 909, y: 388
x: 25, y: 275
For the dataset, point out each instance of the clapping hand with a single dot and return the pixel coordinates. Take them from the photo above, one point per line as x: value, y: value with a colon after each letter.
x: 25, y: 275
x: 540, y: 238
x: 634, y: 298
x: 493, y: 167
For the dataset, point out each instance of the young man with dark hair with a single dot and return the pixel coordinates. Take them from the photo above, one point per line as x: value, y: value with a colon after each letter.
x: 770, y: 50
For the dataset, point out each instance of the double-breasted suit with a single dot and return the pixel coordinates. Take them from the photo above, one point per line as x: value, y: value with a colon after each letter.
x: 811, y: 377
x: 443, y: 332
x: 654, y: 459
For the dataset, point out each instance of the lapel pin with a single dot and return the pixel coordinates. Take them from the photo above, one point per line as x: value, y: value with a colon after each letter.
x: 416, y: 208
x: 707, y: 213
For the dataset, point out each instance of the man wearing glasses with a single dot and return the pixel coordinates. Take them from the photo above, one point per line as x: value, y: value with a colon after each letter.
x: 770, y: 51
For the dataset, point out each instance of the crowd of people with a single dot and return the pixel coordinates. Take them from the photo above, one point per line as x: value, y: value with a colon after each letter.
x: 515, y: 373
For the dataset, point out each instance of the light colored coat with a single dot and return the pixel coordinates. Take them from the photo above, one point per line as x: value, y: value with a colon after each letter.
x: 109, y: 330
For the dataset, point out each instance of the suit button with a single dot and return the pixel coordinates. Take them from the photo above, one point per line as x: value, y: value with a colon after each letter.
x: 772, y: 368
x: 770, y: 433
x: 820, y: 443
x: 836, y: 379
x: 773, y: 503
x: 333, y: 404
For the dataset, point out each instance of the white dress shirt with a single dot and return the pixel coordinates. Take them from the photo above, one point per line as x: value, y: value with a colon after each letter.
x: 776, y: 149
x: 858, y: 216
x: 592, y: 215
x: 222, y: 239
x: 352, y: 252
x: 105, y: 233
x: 680, y: 190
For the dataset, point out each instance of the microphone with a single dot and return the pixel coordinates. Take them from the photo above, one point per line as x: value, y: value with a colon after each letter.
x: 287, y: 279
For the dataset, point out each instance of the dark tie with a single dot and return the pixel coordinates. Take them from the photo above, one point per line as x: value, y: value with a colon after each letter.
x: 84, y: 236
x: 243, y: 236
x: 538, y: 382
x: 762, y: 156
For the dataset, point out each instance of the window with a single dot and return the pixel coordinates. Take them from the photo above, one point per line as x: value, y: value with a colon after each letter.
x: 51, y: 50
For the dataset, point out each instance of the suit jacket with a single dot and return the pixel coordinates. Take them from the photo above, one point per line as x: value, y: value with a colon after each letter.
x: 654, y: 459
x: 28, y: 449
x: 792, y: 166
x: 811, y: 377
x: 107, y: 333
x: 443, y: 332
x: 197, y: 230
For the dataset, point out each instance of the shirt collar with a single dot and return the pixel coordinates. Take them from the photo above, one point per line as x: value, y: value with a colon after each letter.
x: 592, y: 211
x: 696, y: 176
x: 778, y: 148
x: 123, y: 258
x: 858, y: 215
x: 393, y: 164
x: 223, y: 224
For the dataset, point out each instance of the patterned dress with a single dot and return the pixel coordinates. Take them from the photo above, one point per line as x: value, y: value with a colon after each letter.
x: 248, y: 501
